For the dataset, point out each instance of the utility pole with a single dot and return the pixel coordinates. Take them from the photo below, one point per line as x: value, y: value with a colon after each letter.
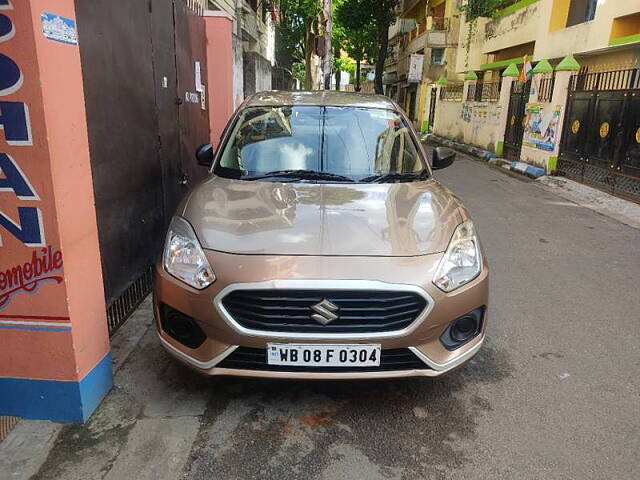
x: 327, y: 62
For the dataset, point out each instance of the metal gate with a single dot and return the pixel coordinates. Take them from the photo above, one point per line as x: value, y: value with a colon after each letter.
x: 514, y: 130
x: 145, y: 118
x: 432, y: 108
x: 601, y: 138
x: 193, y: 116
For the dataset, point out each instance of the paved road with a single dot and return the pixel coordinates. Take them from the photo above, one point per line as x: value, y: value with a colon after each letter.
x: 554, y: 393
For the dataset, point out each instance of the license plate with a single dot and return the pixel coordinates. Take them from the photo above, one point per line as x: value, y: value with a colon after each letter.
x: 357, y: 355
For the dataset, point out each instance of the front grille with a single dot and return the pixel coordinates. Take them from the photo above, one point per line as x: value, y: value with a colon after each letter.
x: 393, y: 360
x: 360, y: 311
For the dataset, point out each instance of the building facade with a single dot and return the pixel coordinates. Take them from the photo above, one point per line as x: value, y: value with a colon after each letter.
x: 253, y: 44
x: 422, y: 49
x: 553, y: 83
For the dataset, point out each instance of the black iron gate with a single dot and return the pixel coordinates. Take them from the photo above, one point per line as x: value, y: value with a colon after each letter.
x: 601, y: 138
x: 432, y: 108
x: 514, y: 130
x: 144, y: 117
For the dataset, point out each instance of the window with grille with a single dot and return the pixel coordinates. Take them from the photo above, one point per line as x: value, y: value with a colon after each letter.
x: 452, y: 92
x: 484, y: 91
x: 545, y: 89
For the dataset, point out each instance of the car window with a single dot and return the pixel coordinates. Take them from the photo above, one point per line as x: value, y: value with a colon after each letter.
x: 348, y: 141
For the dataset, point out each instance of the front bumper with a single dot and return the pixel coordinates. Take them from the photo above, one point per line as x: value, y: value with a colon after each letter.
x: 223, y: 336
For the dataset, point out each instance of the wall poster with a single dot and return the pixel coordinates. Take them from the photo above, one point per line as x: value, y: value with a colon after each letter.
x: 541, y: 125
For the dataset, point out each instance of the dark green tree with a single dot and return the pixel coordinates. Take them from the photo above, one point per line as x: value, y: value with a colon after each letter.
x: 358, y: 35
x: 367, y: 22
x: 384, y: 16
x: 295, y: 35
x: 337, y: 42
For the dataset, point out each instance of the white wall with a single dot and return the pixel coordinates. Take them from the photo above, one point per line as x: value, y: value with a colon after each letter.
x: 475, y: 123
x: 238, y: 75
x: 533, y: 24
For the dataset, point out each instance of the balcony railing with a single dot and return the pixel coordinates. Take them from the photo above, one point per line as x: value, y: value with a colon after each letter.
x: 439, y: 24
x: 609, y: 80
x: 197, y: 6
x: 442, y: 32
x: 419, y: 30
x: 432, y: 24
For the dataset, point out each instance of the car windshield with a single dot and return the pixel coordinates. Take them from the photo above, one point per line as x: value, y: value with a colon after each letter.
x: 321, y: 143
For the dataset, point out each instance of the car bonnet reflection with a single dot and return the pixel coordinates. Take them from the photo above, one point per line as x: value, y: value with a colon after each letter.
x: 400, y: 219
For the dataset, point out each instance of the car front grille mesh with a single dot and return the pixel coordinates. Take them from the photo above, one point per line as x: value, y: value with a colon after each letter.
x: 358, y: 311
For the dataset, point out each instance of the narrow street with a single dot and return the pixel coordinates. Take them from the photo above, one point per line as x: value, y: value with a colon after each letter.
x: 239, y: 184
x: 554, y: 393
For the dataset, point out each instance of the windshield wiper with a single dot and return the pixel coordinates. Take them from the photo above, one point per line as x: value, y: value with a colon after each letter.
x: 301, y: 174
x: 392, y: 177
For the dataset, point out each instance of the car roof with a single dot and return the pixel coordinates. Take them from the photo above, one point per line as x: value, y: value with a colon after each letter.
x: 327, y: 98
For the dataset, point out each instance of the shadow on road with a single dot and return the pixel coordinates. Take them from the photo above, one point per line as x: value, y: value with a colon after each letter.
x: 387, y: 427
x: 230, y: 427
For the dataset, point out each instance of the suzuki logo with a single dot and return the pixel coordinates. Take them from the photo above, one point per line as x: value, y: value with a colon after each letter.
x: 325, y: 312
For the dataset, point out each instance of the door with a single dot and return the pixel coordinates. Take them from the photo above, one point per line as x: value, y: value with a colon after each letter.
x: 122, y: 121
x: 191, y: 66
x: 138, y: 62
x: 605, y: 128
x: 166, y: 94
x: 629, y: 163
x: 515, y: 119
x: 432, y: 108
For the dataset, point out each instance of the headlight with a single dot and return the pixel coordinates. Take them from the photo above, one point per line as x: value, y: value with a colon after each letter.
x: 461, y: 262
x: 183, y: 256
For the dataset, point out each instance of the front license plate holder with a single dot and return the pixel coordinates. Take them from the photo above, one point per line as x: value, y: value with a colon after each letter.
x: 323, y: 355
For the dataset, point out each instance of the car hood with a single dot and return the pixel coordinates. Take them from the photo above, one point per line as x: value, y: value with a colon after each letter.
x: 271, y: 218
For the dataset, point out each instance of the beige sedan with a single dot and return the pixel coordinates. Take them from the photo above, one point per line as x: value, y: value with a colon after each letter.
x: 321, y: 246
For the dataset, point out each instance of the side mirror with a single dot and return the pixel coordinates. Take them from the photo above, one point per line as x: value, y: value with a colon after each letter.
x: 442, y: 157
x: 204, y: 155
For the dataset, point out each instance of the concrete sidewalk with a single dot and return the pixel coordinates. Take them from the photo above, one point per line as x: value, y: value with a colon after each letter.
x: 622, y: 210
x: 145, y: 427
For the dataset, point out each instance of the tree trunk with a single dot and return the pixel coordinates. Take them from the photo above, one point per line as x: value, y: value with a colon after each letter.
x: 383, y: 45
x: 338, y: 73
x: 327, y: 62
x: 308, y: 53
x: 358, y: 88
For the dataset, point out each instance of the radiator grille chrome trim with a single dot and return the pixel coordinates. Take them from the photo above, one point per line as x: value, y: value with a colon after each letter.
x: 195, y: 362
x: 440, y: 367
x: 308, y: 284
